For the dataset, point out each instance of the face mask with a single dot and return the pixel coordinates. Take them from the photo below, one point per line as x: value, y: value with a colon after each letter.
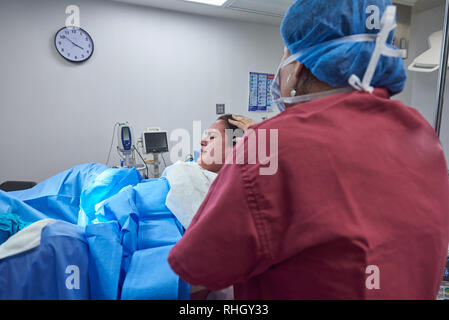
x: 388, y: 25
x: 276, y: 92
x: 282, y: 101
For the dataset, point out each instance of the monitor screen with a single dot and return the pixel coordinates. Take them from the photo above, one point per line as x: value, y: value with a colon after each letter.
x: 155, y: 142
x: 126, y: 133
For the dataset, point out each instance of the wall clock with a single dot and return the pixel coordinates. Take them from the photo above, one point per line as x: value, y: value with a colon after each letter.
x: 74, y: 44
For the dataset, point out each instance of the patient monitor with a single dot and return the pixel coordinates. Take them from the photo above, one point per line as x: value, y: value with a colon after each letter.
x: 125, y: 143
x: 155, y: 143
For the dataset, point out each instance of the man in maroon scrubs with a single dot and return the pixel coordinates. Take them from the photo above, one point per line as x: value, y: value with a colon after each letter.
x: 358, y: 206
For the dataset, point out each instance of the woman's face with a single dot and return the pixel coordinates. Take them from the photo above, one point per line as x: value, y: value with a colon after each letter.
x: 214, y: 147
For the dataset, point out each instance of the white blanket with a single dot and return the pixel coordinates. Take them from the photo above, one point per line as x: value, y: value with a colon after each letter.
x: 189, y: 186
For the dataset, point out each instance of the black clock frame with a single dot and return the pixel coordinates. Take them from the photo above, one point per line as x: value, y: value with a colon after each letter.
x: 73, y: 61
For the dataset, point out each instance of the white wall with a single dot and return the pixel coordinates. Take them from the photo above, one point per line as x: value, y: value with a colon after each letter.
x: 150, y: 67
x: 421, y: 88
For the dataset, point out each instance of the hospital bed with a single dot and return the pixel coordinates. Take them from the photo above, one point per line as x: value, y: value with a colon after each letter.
x: 91, y: 232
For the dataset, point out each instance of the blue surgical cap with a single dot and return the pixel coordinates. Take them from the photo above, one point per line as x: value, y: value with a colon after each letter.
x: 310, y: 23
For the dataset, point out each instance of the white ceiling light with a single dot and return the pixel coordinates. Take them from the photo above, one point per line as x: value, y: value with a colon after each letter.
x: 209, y: 2
x: 265, y: 7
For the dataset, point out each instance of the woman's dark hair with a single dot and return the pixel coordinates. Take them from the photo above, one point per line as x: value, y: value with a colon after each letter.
x: 226, y: 118
x: 237, y: 132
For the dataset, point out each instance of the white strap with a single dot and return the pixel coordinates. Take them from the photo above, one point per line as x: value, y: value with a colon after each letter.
x: 381, y: 49
x: 365, y: 37
x: 314, y: 96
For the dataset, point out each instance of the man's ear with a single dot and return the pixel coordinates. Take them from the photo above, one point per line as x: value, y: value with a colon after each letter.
x: 298, y: 69
x: 297, y: 72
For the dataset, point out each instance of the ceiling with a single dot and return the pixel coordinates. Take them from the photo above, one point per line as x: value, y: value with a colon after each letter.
x: 260, y: 11
x: 270, y: 11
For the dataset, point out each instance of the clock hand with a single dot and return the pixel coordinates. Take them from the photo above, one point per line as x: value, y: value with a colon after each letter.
x: 78, y: 46
x: 74, y: 43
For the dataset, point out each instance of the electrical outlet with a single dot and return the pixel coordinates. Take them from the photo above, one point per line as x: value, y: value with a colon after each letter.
x: 221, y: 109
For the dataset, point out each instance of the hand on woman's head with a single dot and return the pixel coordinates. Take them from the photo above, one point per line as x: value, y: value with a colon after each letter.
x: 242, y: 123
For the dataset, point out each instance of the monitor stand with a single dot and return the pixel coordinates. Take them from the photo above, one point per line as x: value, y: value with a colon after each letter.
x: 156, y: 172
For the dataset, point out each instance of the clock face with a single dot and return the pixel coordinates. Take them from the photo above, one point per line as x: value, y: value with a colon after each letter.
x: 74, y: 44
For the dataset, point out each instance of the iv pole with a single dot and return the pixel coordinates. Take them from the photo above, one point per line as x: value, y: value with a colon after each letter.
x: 443, y: 71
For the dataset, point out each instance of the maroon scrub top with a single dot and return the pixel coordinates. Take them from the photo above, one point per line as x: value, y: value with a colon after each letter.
x: 362, y: 181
